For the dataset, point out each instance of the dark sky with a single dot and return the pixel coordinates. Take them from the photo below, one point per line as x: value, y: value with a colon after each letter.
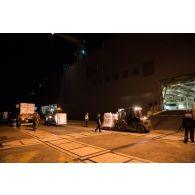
x: 29, y: 59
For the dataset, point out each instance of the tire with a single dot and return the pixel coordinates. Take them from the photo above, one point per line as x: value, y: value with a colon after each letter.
x: 122, y: 125
x: 140, y: 128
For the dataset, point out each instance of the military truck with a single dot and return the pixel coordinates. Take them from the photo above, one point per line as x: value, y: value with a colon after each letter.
x: 24, y: 114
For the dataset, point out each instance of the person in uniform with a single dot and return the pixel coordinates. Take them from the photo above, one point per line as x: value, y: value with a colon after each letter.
x: 86, y: 119
x: 98, y: 119
x: 36, y: 119
x: 188, y: 125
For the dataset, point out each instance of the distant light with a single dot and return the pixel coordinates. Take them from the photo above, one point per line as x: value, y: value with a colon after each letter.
x: 181, y: 106
x: 83, y: 52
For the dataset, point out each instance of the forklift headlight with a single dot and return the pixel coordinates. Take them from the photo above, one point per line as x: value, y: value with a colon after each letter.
x: 144, y: 118
x: 137, y: 108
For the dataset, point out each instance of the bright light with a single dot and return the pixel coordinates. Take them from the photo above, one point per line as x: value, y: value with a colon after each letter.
x: 181, y: 106
x: 144, y: 118
x: 167, y: 107
x: 120, y: 109
x: 83, y: 52
x: 137, y: 108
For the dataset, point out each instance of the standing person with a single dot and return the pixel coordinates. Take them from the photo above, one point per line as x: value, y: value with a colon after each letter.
x: 86, y: 119
x: 188, y: 125
x: 36, y: 119
x: 98, y: 119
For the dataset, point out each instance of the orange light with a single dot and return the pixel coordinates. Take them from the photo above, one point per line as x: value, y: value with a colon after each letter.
x: 137, y: 108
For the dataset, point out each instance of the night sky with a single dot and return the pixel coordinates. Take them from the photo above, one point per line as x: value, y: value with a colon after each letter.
x: 29, y: 60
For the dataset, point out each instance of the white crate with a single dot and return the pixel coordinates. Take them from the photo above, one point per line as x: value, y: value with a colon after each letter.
x: 61, y: 118
x: 26, y: 108
x: 109, y: 120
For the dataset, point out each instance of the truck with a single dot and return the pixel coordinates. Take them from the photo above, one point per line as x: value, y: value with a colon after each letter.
x: 25, y: 114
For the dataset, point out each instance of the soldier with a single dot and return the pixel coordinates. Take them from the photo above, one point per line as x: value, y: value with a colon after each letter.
x: 98, y: 122
x: 36, y: 119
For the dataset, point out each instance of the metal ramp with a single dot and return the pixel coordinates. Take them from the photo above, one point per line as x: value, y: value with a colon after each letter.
x: 168, y: 120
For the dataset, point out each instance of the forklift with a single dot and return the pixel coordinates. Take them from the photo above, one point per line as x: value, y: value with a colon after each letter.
x: 131, y: 119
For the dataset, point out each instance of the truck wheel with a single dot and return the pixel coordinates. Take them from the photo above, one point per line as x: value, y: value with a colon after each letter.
x: 140, y: 129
